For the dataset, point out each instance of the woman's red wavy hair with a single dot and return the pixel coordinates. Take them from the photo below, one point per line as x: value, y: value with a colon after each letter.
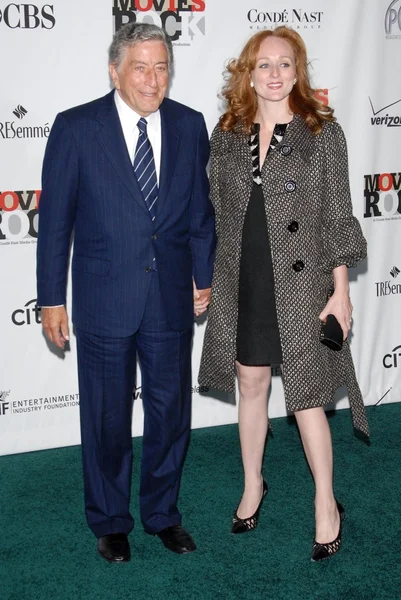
x: 242, y: 100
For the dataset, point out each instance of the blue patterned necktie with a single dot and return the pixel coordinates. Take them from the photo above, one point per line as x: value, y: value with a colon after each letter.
x: 145, y: 169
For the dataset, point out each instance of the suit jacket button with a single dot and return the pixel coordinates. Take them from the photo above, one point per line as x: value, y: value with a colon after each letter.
x: 154, y: 237
x: 285, y: 150
x: 298, y: 266
x: 293, y: 227
x: 290, y: 186
x: 148, y: 269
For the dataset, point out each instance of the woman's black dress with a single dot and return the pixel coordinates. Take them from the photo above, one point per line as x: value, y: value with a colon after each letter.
x: 258, y: 340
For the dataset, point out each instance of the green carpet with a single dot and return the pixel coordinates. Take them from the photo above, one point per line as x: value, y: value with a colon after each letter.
x: 47, y: 552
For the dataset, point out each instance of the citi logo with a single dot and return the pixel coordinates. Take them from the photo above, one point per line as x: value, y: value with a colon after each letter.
x: 27, y: 315
x: 20, y: 111
x: 391, y: 360
x: 395, y: 272
x: 386, y: 120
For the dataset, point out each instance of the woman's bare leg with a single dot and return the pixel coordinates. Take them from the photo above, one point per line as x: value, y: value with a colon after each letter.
x: 254, y: 383
x: 316, y: 439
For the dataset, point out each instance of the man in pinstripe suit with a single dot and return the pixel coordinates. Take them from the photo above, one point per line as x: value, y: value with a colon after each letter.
x: 127, y: 174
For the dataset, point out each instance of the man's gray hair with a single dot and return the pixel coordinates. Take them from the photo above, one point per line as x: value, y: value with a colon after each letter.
x: 135, y: 33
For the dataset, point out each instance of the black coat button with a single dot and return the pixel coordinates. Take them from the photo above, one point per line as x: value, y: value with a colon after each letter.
x: 148, y: 269
x: 285, y: 150
x: 293, y: 227
x: 290, y: 186
x: 298, y: 266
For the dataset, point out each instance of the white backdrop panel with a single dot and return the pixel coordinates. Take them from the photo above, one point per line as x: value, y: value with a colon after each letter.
x: 56, y: 57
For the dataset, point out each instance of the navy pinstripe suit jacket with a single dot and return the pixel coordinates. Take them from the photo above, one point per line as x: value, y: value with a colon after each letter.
x: 89, y: 188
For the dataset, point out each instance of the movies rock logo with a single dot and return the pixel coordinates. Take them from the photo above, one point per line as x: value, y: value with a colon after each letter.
x: 392, y: 20
x: 27, y: 16
x: 297, y: 18
x: 383, y: 196
x: 19, y: 217
x: 11, y: 130
x: 183, y: 20
x: 387, y: 120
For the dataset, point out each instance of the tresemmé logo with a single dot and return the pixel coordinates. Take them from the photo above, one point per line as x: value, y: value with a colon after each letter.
x: 382, y: 196
x: 388, y: 287
x: 183, y: 20
x: 297, y: 18
x: 27, y: 16
x: 20, y: 112
x: 10, y: 130
x: 392, y: 20
x: 19, y: 217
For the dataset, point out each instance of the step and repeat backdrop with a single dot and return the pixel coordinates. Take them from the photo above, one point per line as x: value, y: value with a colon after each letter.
x: 54, y: 56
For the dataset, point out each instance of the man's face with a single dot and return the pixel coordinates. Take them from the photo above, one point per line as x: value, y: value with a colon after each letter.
x: 142, y: 76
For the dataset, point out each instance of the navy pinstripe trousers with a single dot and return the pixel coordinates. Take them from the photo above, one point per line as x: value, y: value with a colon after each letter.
x: 106, y: 368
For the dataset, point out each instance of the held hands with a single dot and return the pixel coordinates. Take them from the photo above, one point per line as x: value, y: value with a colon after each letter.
x: 340, y: 306
x: 201, y: 300
x: 55, y: 325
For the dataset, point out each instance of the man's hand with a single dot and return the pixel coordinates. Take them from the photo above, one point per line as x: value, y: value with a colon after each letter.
x: 201, y: 300
x: 55, y: 324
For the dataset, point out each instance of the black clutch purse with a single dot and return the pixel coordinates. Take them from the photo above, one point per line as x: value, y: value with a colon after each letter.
x: 331, y: 334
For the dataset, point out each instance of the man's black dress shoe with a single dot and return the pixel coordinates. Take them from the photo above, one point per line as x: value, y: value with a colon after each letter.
x: 176, y: 539
x: 114, y: 547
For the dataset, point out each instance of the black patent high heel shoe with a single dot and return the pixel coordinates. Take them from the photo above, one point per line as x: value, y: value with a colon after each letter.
x: 323, y: 551
x: 243, y: 525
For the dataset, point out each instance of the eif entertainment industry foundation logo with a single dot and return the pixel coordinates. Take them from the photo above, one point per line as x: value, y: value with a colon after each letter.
x: 389, y: 288
x: 389, y: 119
x: 19, y: 217
x: 183, y: 20
x: 382, y: 196
x: 4, y: 405
x: 392, y: 20
x: 11, y: 130
x: 35, y: 405
x: 297, y: 18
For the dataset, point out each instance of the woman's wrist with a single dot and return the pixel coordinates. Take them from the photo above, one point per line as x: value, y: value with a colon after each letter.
x: 341, y: 283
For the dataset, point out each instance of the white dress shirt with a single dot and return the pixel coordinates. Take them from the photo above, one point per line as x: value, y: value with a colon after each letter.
x: 129, y: 119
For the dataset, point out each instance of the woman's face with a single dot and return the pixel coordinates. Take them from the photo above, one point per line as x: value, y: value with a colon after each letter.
x: 274, y: 72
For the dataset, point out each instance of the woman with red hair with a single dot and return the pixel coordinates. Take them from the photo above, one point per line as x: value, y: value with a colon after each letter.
x: 286, y: 237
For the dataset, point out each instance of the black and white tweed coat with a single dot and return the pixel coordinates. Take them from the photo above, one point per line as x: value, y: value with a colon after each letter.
x: 312, y: 230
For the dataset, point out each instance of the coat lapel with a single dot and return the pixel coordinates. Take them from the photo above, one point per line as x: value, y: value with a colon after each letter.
x: 111, y: 139
x: 242, y: 153
x: 169, y: 153
x: 298, y: 137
